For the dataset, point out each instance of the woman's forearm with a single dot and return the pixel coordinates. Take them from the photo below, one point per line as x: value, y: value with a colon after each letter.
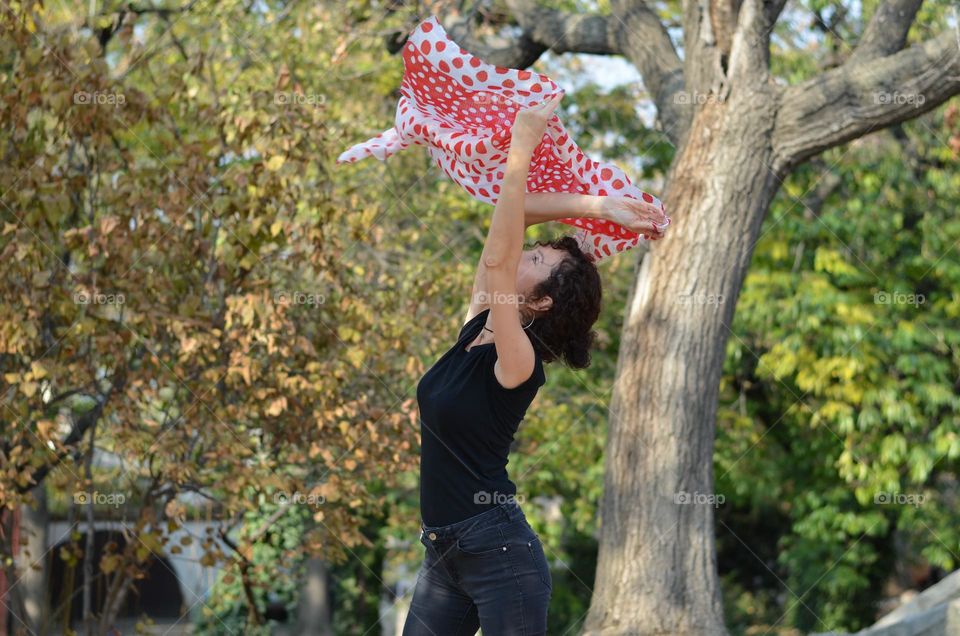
x: 505, y: 238
x: 540, y: 207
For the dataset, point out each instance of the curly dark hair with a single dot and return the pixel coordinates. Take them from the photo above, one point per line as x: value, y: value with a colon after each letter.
x: 564, y: 331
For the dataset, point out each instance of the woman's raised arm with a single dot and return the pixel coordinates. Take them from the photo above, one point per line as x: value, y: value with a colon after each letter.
x: 633, y: 214
x: 504, y: 245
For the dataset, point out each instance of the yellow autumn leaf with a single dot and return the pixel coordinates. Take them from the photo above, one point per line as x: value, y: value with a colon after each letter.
x: 277, y: 406
x: 152, y: 542
x: 110, y: 563
x: 108, y: 223
x: 45, y: 429
x: 275, y: 162
x: 38, y: 371
x: 356, y: 356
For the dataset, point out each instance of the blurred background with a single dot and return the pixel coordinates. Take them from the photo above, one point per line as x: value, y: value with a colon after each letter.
x: 211, y: 334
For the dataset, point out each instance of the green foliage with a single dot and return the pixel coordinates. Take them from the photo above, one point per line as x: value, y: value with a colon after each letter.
x: 273, y: 576
x: 840, y: 409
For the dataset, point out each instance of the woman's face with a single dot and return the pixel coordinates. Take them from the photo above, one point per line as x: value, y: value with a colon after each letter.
x: 535, y: 267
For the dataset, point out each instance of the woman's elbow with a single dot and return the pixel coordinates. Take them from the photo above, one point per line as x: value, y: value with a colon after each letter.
x: 496, y: 255
x: 493, y: 260
x: 499, y: 260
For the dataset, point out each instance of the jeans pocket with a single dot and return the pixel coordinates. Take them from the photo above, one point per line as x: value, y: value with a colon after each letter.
x: 535, y: 549
x: 481, y: 542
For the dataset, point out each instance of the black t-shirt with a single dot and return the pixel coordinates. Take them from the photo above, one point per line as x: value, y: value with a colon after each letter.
x: 467, y: 423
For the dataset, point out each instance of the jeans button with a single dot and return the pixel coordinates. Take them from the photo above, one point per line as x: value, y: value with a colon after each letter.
x: 433, y: 536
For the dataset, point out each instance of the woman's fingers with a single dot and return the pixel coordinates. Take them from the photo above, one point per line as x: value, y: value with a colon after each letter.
x: 647, y: 227
x: 546, y: 107
x: 533, y: 120
x: 636, y: 215
x: 654, y: 223
x: 647, y: 210
x: 550, y: 103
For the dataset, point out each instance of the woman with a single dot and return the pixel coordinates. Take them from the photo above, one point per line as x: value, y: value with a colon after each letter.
x: 484, y: 565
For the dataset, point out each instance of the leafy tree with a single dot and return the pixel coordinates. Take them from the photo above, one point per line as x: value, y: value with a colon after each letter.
x: 841, y: 409
x: 182, y: 280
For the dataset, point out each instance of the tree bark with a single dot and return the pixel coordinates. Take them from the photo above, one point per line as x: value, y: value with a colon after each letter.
x: 887, y: 30
x: 657, y: 570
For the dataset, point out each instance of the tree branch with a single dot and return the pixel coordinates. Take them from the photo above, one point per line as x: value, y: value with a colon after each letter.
x: 77, y: 431
x: 750, y: 49
x: 633, y: 31
x: 541, y: 29
x: 886, y: 33
x: 644, y: 41
x: 723, y: 18
x: 850, y: 101
x: 563, y: 32
x: 517, y: 51
x: 702, y: 72
x: 165, y: 12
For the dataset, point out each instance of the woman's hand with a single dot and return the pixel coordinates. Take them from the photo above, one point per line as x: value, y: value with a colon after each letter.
x: 635, y: 215
x: 531, y: 123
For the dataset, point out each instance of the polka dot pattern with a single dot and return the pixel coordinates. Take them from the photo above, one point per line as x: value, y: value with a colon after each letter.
x: 462, y: 108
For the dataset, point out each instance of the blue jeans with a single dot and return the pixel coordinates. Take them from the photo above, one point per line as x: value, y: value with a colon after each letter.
x: 487, y: 571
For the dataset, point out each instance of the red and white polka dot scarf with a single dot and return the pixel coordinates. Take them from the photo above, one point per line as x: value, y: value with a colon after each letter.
x: 461, y: 108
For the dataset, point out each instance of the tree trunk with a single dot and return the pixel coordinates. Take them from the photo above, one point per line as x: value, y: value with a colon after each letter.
x: 313, y: 606
x: 31, y: 587
x: 89, y: 550
x: 657, y: 569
